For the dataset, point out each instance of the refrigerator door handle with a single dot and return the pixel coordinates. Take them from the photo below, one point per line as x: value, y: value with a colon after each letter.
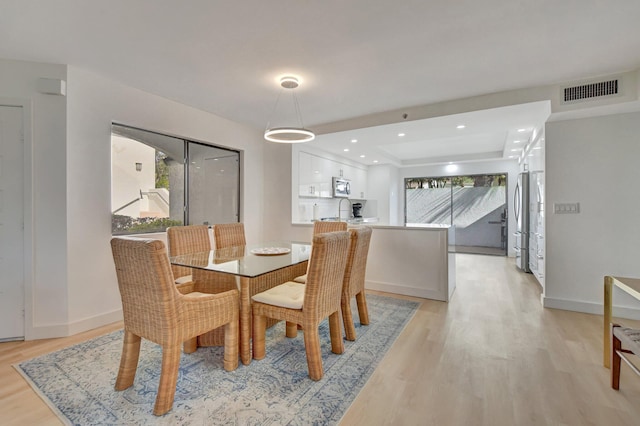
x: 516, y: 201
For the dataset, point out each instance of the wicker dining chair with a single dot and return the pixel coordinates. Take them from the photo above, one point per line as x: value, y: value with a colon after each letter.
x: 308, y: 304
x: 354, y: 280
x: 229, y: 235
x: 183, y: 240
x: 321, y: 227
x: 156, y: 309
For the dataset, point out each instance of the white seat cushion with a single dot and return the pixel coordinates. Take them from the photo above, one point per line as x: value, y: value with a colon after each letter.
x: 185, y: 279
x: 302, y: 279
x: 288, y: 295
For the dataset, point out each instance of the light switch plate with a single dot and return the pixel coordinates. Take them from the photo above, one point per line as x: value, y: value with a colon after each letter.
x: 566, y: 208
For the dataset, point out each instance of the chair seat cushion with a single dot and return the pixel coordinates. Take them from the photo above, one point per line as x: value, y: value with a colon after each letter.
x: 184, y: 279
x: 288, y: 295
x: 629, y: 337
x: 302, y: 279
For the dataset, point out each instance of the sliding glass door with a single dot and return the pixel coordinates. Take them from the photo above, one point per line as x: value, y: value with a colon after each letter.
x: 475, y: 204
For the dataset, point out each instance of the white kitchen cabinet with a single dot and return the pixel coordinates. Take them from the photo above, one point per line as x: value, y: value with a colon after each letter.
x: 358, y: 178
x: 314, y: 176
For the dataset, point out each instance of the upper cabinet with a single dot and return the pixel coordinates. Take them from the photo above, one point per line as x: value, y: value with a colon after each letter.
x: 358, y: 178
x: 315, y: 174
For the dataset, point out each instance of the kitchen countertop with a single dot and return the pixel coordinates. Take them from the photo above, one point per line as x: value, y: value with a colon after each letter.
x: 422, y: 226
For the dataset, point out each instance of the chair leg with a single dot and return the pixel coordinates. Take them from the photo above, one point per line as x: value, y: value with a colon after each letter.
x: 190, y: 346
x: 168, y: 379
x: 259, y: 330
x: 616, y: 345
x: 347, y: 319
x: 231, y: 347
x: 128, y: 361
x: 292, y: 329
x: 363, y: 311
x: 335, y: 330
x: 312, y: 349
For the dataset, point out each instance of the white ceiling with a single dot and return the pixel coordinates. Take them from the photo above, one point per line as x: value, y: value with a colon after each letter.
x: 356, y: 57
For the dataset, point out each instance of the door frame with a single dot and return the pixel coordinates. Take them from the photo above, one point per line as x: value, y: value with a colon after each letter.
x: 27, y: 208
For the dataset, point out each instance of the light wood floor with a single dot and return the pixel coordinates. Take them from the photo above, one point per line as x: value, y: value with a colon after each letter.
x: 492, y: 356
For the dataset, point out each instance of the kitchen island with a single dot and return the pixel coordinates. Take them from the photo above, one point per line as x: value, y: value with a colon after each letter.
x: 409, y: 260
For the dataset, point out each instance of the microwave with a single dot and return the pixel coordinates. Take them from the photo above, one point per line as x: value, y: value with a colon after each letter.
x: 341, y: 187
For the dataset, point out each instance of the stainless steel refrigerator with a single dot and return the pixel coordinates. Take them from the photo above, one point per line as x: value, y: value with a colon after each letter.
x: 521, y: 211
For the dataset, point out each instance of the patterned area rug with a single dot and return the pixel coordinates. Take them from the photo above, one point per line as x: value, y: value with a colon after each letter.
x: 78, y: 382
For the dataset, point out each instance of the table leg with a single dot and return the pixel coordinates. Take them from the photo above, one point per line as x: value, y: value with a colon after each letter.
x: 245, y: 321
x: 606, y: 338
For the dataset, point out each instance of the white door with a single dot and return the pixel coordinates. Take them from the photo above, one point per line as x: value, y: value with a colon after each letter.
x: 11, y: 224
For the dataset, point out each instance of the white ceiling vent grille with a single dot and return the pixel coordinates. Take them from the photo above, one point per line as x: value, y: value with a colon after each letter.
x: 590, y: 91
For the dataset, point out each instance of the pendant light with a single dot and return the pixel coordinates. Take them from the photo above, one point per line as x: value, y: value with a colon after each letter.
x: 289, y: 134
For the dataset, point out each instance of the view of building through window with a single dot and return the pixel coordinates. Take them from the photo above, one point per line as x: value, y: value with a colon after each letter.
x: 475, y: 204
x: 149, y: 190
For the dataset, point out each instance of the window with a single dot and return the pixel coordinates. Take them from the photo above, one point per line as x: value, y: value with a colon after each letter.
x: 159, y: 181
x: 475, y: 204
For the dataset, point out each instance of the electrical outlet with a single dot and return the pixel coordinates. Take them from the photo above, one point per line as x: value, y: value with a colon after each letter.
x: 566, y: 208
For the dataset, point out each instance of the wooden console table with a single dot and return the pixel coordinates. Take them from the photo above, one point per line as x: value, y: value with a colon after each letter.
x: 628, y: 285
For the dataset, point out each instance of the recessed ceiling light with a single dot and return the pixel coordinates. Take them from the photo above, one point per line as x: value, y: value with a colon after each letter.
x: 460, y: 126
x: 537, y: 147
x: 375, y: 161
x: 362, y: 156
x: 522, y: 130
x: 346, y: 150
x: 451, y: 167
x: 513, y: 156
x: 401, y: 134
x: 516, y: 150
x: 517, y: 141
x: 354, y: 140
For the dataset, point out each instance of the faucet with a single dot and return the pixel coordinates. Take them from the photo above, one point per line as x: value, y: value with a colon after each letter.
x: 340, y: 208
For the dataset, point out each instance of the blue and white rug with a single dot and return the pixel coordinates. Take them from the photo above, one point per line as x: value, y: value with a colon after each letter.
x: 78, y: 382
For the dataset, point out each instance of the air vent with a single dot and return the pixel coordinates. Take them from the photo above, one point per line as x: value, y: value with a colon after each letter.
x: 589, y: 91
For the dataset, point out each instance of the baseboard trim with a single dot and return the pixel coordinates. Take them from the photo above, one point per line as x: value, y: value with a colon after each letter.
x: 75, y: 327
x: 589, y: 308
x: 405, y: 290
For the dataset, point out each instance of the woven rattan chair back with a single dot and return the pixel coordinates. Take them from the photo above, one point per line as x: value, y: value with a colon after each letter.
x: 229, y: 235
x: 187, y: 239
x: 354, y: 278
x: 322, y: 227
x: 325, y: 274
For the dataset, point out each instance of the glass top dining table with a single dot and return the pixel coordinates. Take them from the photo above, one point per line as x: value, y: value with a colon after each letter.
x: 247, y: 261
x: 256, y: 268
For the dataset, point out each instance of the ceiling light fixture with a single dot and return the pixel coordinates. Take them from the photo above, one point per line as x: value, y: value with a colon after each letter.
x: 289, y: 134
x: 354, y: 140
x: 460, y: 126
x: 346, y: 150
x: 362, y: 156
x: 401, y: 134
x: 375, y: 161
x: 522, y: 130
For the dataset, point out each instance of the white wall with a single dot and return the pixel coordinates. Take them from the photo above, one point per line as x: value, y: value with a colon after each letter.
x: 510, y: 167
x: 595, y: 162
x: 72, y: 285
